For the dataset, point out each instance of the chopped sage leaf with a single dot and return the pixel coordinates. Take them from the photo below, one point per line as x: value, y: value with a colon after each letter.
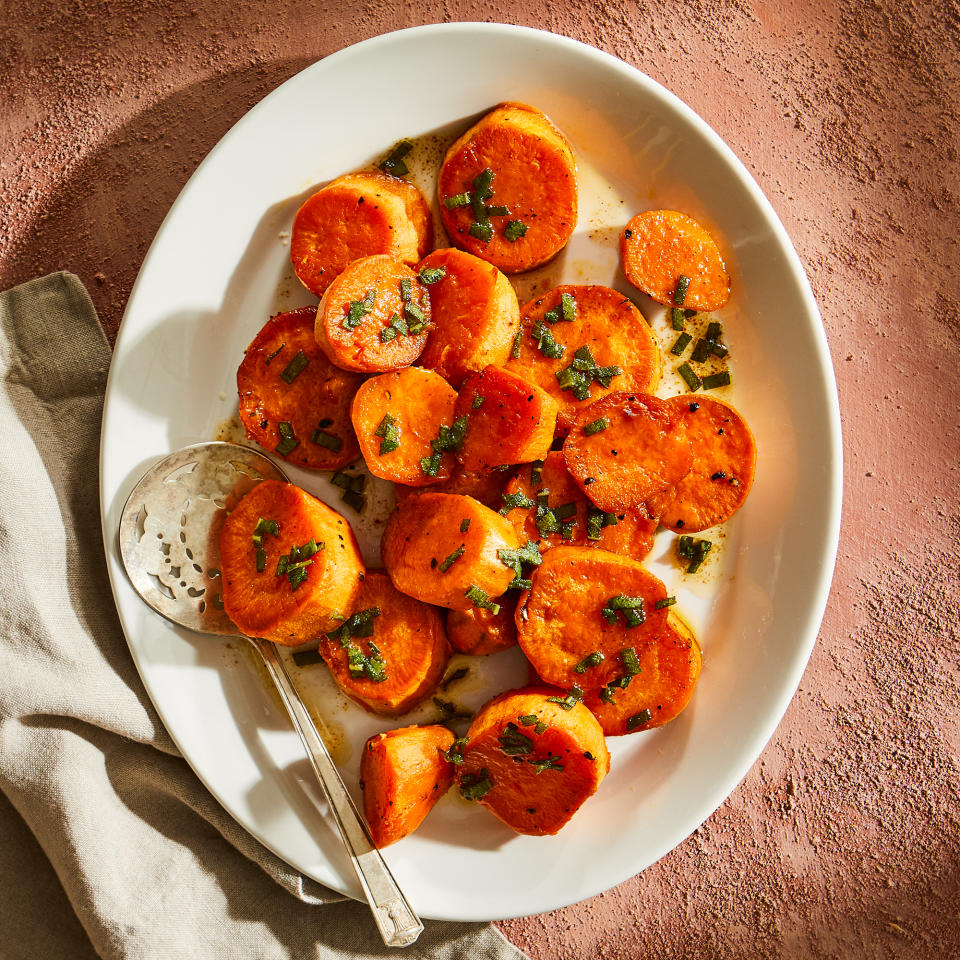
x: 453, y: 558
x: 307, y: 658
x: 295, y: 367
x: 430, y: 275
x: 715, y: 380
x: 464, y: 525
x: 473, y: 786
x: 357, y: 310
x: 549, y: 762
x: 570, y: 700
x: 389, y: 434
x: 665, y: 602
x: 692, y: 381
x: 515, y: 501
x: 591, y: 660
x: 596, y: 426
x: 680, y: 294
x: 455, y: 753
x: 639, y: 719
x: 394, y: 163
x: 477, y: 402
x: 457, y: 200
x: 482, y: 231
x: 514, y: 230
x: 630, y: 661
x: 513, y: 743
x: 682, y: 342
x: 480, y: 599
x: 288, y: 442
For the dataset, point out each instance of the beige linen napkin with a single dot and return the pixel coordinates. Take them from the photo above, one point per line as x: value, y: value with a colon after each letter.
x: 109, y: 844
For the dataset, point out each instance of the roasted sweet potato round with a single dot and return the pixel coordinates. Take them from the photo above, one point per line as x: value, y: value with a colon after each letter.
x: 390, y: 660
x: 660, y: 247
x: 625, y: 447
x: 402, y: 775
x: 396, y: 417
x: 358, y: 215
x: 442, y: 549
x: 475, y: 314
x: 567, y: 517
x: 288, y: 564
x: 286, y: 379
x: 509, y: 420
x: 583, y: 610
x: 374, y: 317
x: 669, y: 668
x: 508, y: 189
x: 724, y: 460
x: 623, y: 351
x: 479, y: 632
x: 532, y: 761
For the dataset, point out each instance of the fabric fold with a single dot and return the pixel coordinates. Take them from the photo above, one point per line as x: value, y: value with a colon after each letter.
x: 111, y: 845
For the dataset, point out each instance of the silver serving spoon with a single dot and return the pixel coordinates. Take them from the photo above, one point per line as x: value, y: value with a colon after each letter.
x: 170, y: 546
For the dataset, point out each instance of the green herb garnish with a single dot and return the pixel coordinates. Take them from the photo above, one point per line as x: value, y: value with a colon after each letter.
x: 682, y: 342
x: 591, y: 660
x: 515, y: 501
x: 388, y: 433
x: 570, y: 700
x: 357, y: 310
x: 307, y: 658
x: 549, y: 762
x: 294, y: 368
x: 477, y: 402
x: 394, y: 163
x: 676, y: 318
x: 680, y: 294
x: 453, y: 558
x: 639, y: 719
x: 473, y: 786
x: 529, y: 554
x: 630, y: 661
x: 513, y: 743
x: 665, y: 602
x: 482, y: 231
x: 630, y: 607
x: 715, y: 380
x: 596, y: 426
x: 480, y: 599
x: 689, y: 377
x: 464, y: 525
x: 693, y: 550
x: 430, y: 275
x: 455, y: 753
x: 324, y: 439
x: 288, y: 442
x: 514, y: 230
x: 457, y: 200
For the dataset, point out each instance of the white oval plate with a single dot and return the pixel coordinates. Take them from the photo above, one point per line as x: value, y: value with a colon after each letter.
x: 218, y: 268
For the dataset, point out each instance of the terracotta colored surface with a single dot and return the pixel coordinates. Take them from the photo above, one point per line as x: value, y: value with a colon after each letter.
x: 844, y: 840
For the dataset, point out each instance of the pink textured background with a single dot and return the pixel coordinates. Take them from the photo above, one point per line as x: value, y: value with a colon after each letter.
x: 843, y: 841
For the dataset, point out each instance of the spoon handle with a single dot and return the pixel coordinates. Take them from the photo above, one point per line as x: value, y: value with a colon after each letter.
x: 398, y: 924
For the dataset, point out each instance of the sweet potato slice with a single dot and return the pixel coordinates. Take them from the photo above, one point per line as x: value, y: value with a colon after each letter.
x: 402, y: 775
x: 661, y: 246
x: 479, y: 632
x: 485, y: 486
x: 374, y: 317
x: 669, y: 669
x: 531, y: 762
x: 397, y: 416
x: 584, y: 608
x: 287, y: 607
x: 509, y: 420
x: 358, y: 215
x: 724, y: 460
x: 562, y: 515
x: 597, y: 319
x: 533, y: 186
x: 285, y: 378
x: 475, y: 314
x: 438, y: 547
x: 626, y: 447
x: 395, y: 666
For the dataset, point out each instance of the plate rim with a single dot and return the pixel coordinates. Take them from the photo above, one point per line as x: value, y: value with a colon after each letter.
x: 819, y: 591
